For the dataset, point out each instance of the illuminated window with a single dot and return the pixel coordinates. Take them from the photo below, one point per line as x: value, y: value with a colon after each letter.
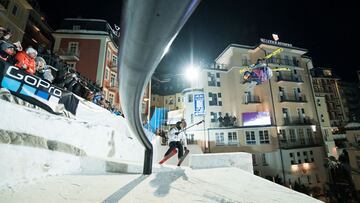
x: 250, y: 137
x: 220, y: 141
x: 264, y: 137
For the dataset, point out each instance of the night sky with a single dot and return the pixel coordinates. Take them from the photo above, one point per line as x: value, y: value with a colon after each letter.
x: 325, y: 28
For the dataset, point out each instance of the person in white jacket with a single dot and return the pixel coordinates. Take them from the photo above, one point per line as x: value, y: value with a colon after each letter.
x: 176, y: 137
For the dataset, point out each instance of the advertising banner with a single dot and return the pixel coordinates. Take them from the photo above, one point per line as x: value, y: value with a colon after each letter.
x: 199, y: 104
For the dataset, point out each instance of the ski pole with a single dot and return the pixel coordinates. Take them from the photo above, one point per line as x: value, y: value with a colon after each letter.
x: 198, y: 123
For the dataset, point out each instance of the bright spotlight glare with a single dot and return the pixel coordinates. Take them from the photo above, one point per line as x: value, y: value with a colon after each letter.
x: 192, y: 73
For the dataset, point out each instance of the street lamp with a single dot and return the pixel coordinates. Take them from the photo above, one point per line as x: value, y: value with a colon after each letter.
x: 192, y: 72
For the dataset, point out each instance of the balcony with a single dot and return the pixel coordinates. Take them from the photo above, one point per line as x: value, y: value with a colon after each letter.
x: 68, y: 55
x: 300, y: 143
x: 298, y: 121
x: 252, y: 100
x: 113, y: 65
x: 301, y: 98
x: 286, y: 62
x: 290, y: 78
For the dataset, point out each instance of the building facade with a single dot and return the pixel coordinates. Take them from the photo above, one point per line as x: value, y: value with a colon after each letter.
x: 350, y: 93
x: 327, y: 85
x: 276, y: 121
x: 91, y: 48
x: 14, y: 15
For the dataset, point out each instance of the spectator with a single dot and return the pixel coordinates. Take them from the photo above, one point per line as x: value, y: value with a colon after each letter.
x: 233, y: 120
x: 42, y: 70
x: 7, y: 52
x: 226, y: 120
x: 221, y: 121
x: 26, y: 60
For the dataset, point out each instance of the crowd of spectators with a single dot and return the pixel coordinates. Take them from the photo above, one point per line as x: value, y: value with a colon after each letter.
x: 52, y: 69
x: 227, y: 121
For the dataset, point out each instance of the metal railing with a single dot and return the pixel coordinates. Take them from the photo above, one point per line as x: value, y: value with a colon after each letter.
x: 287, y: 62
x: 292, y: 98
x: 290, y: 78
x: 301, y: 143
x: 298, y: 121
x: 68, y: 54
x: 252, y: 100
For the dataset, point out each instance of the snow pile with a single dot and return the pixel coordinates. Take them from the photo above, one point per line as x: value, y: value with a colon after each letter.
x: 95, y: 132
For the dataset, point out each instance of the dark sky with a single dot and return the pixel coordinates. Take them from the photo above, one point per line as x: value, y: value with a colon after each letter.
x: 325, y: 28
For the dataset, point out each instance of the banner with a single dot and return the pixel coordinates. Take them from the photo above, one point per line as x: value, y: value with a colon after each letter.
x: 36, y: 90
x: 199, y: 104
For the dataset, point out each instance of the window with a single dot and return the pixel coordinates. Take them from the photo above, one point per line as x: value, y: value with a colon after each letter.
x: 263, y: 159
x: 292, y: 162
x: 305, y: 153
x: 213, y: 101
x: 218, y: 84
x: 71, y: 65
x: 73, y: 47
x: 219, y: 95
x: 220, y: 103
x: 190, y: 98
x: 211, y: 79
x: 311, y: 152
x: 264, y: 137
x: 309, y: 180
x: 306, y: 160
x: 178, y: 99
x: 232, y: 138
x: 114, y: 59
x: 76, y: 27
x: 291, y: 154
x: 292, y: 135
x: 312, y: 160
x: 112, y: 79
x: 299, y: 161
x: 219, y: 139
x: 283, y: 134
x: 14, y: 10
x: 298, y: 154
x: 217, y: 75
x: 250, y: 137
x: 111, y: 98
x: 213, y: 117
x: 322, y: 118
x: 153, y: 99
x: 318, y: 102
x: 254, y: 159
x: 106, y: 74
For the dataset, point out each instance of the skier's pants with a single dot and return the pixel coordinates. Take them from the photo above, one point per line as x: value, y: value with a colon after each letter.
x: 173, y: 145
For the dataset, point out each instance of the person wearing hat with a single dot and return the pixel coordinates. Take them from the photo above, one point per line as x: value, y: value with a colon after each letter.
x: 176, y: 135
x: 26, y: 60
x: 7, y: 52
x: 42, y: 70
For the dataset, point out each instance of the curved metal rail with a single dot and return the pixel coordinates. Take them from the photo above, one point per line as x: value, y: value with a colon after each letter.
x: 148, y: 29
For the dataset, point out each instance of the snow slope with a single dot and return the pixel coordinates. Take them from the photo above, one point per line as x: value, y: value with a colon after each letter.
x: 168, y: 185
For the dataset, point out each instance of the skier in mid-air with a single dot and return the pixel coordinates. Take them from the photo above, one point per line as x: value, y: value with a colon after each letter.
x: 176, y: 136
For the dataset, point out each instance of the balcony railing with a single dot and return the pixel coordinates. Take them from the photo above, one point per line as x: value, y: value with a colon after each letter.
x: 252, y: 100
x: 112, y: 65
x: 287, y: 62
x: 290, y: 78
x: 68, y: 55
x: 300, y: 143
x: 298, y: 121
x: 293, y: 98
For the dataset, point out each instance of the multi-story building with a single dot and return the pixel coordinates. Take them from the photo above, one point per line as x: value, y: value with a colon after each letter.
x: 37, y: 31
x: 90, y: 46
x: 350, y: 93
x: 327, y: 85
x: 275, y: 121
x: 14, y: 15
x: 27, y: 23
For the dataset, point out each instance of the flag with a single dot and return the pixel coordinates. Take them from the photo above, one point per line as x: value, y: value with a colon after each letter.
x: 275, y: 37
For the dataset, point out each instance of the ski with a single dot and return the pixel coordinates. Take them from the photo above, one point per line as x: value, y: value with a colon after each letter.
x: 173, y: 152
x: 183, y: 157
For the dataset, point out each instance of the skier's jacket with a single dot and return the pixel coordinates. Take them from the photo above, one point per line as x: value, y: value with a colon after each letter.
x: 24, y: 61
x: 176, y: 135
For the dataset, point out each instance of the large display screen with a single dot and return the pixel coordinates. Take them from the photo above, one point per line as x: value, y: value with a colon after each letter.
x: 256, y: 118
